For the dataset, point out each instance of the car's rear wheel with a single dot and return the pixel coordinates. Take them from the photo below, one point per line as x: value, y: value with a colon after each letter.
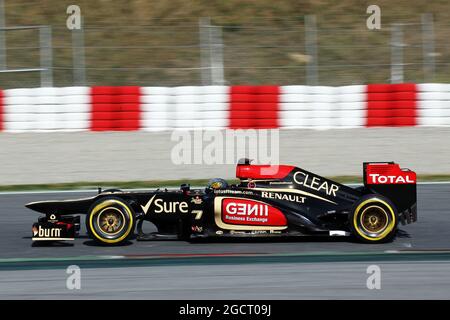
x: 110, y: 221
x: 374, y: 219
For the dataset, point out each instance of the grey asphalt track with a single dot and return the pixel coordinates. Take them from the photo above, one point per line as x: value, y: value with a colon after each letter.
x: 400, y: 279
x: 432, y: 231
x: 246, y: 281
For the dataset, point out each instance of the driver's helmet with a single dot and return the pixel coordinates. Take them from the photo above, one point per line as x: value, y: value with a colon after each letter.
x: 217, y: 184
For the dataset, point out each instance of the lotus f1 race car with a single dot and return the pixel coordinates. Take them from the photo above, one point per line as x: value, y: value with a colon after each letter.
x: 268, y: 201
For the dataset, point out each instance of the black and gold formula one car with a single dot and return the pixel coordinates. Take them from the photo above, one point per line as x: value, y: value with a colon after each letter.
x: 269, y: 201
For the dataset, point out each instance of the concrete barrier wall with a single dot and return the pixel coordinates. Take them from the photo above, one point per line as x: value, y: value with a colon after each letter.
x: 31, y: 158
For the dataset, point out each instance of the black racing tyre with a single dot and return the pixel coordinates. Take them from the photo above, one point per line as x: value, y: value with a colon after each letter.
x: 110, y: 220
x: 373, y: 219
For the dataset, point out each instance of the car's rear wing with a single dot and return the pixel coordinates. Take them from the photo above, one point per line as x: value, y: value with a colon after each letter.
x: 396, y: 184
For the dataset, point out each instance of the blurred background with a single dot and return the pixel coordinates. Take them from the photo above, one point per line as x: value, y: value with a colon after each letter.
x: 100, y: 106
x: 162, y: 65
x: 172, y: 42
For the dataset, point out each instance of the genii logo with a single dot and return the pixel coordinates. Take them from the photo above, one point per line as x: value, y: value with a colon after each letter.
x: 250, y: 212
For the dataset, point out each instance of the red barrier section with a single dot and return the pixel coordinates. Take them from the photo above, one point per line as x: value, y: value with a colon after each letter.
x: 378, y: 105
x: 129, y: 110
x: 115, y: 108
x: 1, y: 110
x: 250, y: 107
x: 404, y: 104
x: 254, y: 107
x: 391, y: 105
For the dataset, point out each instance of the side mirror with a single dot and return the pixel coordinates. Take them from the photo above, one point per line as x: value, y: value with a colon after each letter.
x: 185, y: 187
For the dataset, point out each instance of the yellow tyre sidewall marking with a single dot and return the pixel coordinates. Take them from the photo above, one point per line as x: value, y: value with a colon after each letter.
x: 388, y: 228
x: 102, y: 205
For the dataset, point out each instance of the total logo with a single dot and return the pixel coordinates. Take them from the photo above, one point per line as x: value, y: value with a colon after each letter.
x: 47, y: 232
x: 375, y: 178
x: 162, y: 206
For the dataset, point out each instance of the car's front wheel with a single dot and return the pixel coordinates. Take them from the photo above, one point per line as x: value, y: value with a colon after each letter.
x: 373, y: 219
x: 110, y: 221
